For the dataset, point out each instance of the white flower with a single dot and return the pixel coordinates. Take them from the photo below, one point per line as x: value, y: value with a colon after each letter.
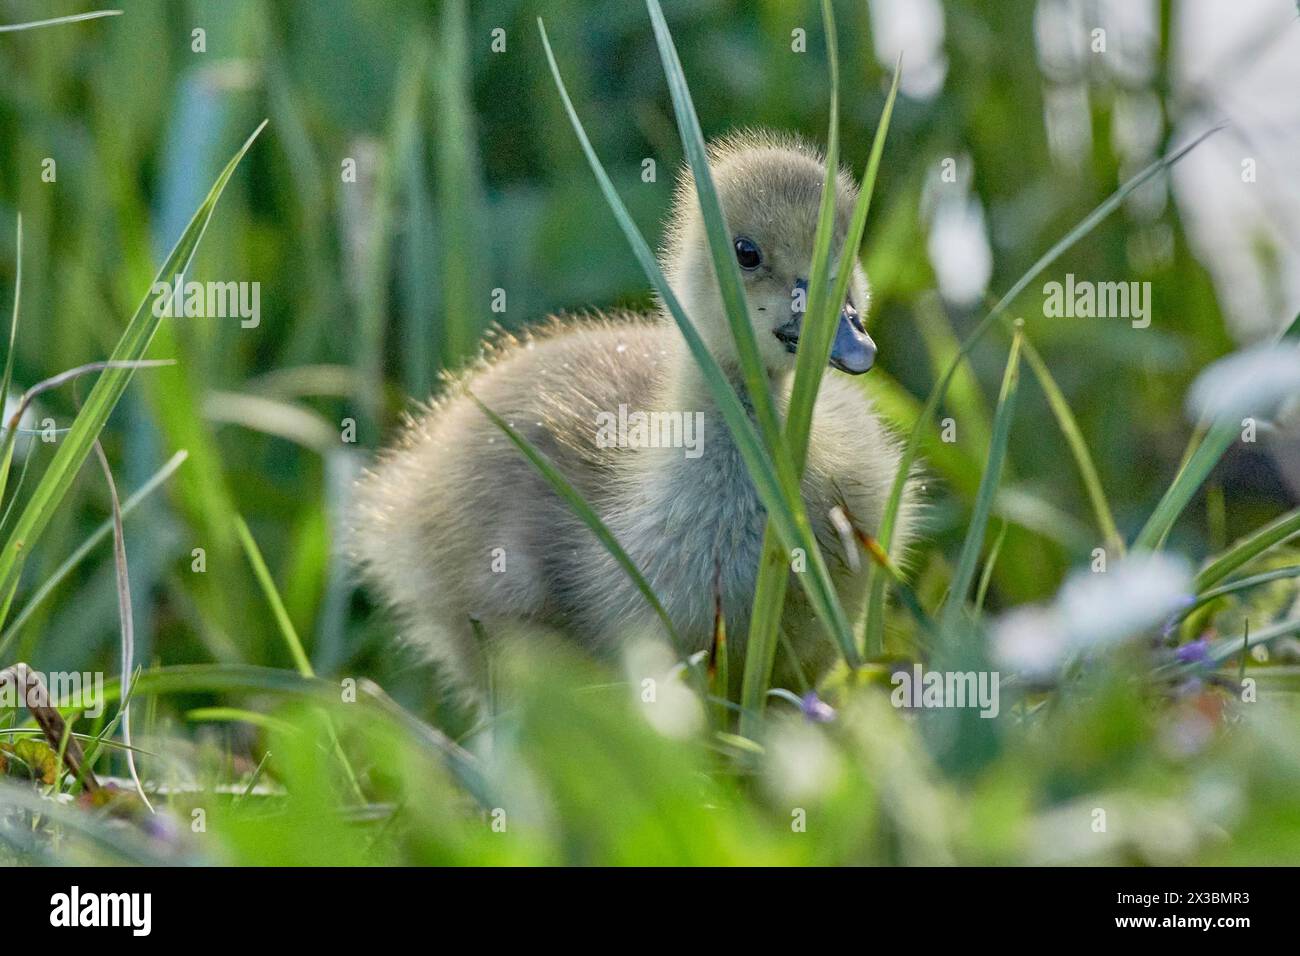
x: 801, y: 764
x: 1092, y: 610
x: 1254, y: 381
x: 1031, y: 641
x: 668, y: 705
x: 1133, y: 596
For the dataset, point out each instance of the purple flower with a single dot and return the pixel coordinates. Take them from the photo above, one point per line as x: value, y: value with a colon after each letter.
x: 816, y: 709
x: 1196, y: 652
x: 163, y: 828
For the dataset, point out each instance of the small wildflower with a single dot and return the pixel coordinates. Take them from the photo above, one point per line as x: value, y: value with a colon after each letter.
x: 1196, y: 652
x: 163, y: 828
x: 815, y: 709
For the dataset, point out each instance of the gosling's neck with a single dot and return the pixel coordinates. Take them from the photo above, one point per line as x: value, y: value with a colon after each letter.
x: 685, y: 386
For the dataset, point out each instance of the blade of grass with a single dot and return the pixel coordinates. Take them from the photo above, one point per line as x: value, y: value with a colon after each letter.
x: 420, y: 307
x: 1247, y: 549
x: 1222, y: 650
x: 592, y: 520
x: 250, y: 679
x: 1243, y: 584
x: 968, y: 559
x: 238, y: 715
x: 905, y: 592
x: 108, y: 389
x: 964, y: 400
x: 272, y: 594
x: 773, y: 480
x: 22, y: 480
x: 290, y: 635
x: 104, y: 737
x: 254, y: 777
x: 6, y: 457
x: 810, y: 364
x: 718, y: 235
x: 989, y: 564
x: 874, y: 618
x: 818, y: 329
x: 98, y: 535
x: 37, y: 732
x: 56, y: 21
x: 1078, y: 447
x: 1189, y: 479
x: 12, y: 430
x: 822, y: 595
x: 816, y: 337
x: 123, y: 610
x: 1203, y: 455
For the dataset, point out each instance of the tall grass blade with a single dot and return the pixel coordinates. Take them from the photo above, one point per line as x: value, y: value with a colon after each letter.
x: 11, y: 428
x: 124, y: 612
x: 986, y: 576
x: 6, y: 456
x: 810, y: 365
x: 965, y: 398
x: 1189, y: 479
x: 824, y: 312
x: 1247, y: 549
x: 771, y: 479
x: 57, y: 21
x: 290, y: 635
x: 773, y: 571
x: 718, y: 235
x: 968, y: 559
x: 418, y: 248
x: 272, y: 594
x: 818, y: 329
x: 76, y: 445
x: 1065, y: 419
x: 1233, y: 587
x: 1220, y: 651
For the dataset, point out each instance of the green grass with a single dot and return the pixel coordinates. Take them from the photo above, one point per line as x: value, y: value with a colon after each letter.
x: 269, y: 692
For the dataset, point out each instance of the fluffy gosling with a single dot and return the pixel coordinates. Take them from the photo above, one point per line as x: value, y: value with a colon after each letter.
x: 454, y: 525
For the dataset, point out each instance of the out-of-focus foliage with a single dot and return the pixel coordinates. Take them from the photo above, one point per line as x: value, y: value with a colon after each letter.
x: 468, y: 179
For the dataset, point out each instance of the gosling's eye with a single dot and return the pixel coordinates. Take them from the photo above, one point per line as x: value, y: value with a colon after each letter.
x: 747, y: 253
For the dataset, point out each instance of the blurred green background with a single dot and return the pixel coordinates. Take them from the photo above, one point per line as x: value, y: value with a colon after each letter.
x: 469, y: 179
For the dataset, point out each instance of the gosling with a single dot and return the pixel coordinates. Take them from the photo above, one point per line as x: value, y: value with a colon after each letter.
x: 469, y: 544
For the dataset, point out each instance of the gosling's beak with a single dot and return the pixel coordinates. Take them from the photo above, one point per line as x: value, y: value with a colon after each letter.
x: 852, y: 351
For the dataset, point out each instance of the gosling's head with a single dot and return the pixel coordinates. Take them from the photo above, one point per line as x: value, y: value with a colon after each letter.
x: 770, y: 190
